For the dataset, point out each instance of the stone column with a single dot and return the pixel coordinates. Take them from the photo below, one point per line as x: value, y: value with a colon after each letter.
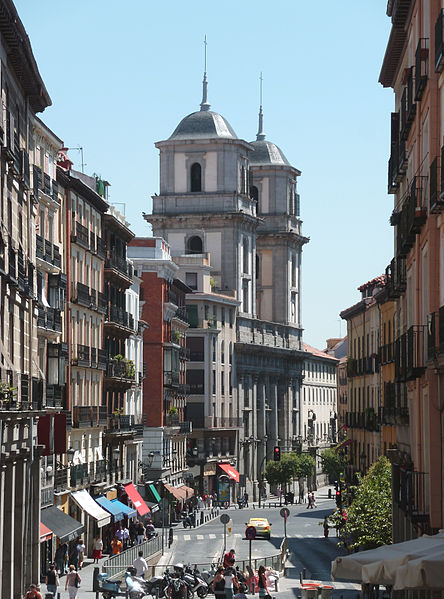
x: 22, y: 555
x: 8, y: 530
x: 274, y: 425
x: 262, y: 427
x: 253, y: 446
x: 2, y: 508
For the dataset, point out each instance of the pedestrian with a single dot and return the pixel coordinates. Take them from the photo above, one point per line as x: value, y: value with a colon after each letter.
x: 97, y: 548
x: 301, y: 495
x: 218, y: 584
x: 72, y: 582
x: 116, y: 546
x: 74, y: 557
x: 199, y: 502
x: 52, y: 580
x: 61, y: 557
x: 229, y: 558
x: 119, y: 534
x: 33, y: 593
x: 264, y: 495
x: 313, y: 500
x: 132, y: 533
x: 241, y: 593
x: 246, y: 499
x: 279, y: 494
x: 308, y: 500
x: 177, y: 589
x: 80, y: 548
x: 140, y: 565
x: 326, y: 529
x: 262, y: 582
x: 231, y: 581
x: 125, y: 537
x: 140, y: 533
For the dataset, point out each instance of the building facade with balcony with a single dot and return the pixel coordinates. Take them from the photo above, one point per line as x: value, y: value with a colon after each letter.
x: 363, y: 375
x: 164, y: 352
x: 87, y: 418
x: 319, y: 405
x: 237, y: 203
x: 212, y: 404
x: 412, y: 67
x: 22, y: 402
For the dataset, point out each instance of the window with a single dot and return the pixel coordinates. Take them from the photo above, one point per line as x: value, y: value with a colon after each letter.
x: 245, y: 296
x: 195, y: 379
x: 196, y: 177
x: 245, y: 254
x: 191, y: 280
x: 196, y: 347
x: 194, y: 245
x: 222, y: 352
x: 254, y: 194
x: 222, y: 383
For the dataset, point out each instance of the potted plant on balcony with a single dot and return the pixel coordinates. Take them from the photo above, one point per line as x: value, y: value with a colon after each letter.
x: 7, y: 393
x: 177, y: 336
x: 130, y: 369
x: 212, y: 284
x: 173, y: 415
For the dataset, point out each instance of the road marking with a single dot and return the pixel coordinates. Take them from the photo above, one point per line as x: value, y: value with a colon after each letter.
x: 200, y: 537
x: 237, y: 535
x: 187, y: 537
x: 211, y: 536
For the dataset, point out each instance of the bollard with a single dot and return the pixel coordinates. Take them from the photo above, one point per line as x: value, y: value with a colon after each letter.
x: 329, y: 493
x: 96, y: 584
x: 201, y: 517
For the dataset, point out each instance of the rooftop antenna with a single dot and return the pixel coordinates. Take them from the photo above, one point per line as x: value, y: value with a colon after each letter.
x: 260, y: 133
x: 204, y: 104
x: 82, y: 164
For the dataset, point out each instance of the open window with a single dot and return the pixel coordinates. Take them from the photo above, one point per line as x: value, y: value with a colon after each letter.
x: 196, y: 177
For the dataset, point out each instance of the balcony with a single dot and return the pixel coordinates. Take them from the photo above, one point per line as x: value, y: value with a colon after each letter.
x: 48, y: 255
x: 12, y: 265
x: 395, y: 410
x: 79, y: 475
x: 407, y: 106
x: 97, y: 245
x: 223, y: 422
x: 81, y: 295
x: 120, y: 373
x: 396, y: 277
x: 184, y: 354
x: 101, y: 303
x: 99, y: 471
x: 119, y: 268
x: 89, y: 416
x: 386, y: 353
x: 171, y: 378
x: 80, y: 235
x: 49, y: 321
x: 121, y: 320
x: 61, y: 479
x: 435, y: 334
x: 123, y: 424
x: 439, y: 42
x: 410, y: 493
x: 101, y: 359
x: 181, y: 314
x: 55, y: 396
x: 421, y: 67
x: 83, y: 357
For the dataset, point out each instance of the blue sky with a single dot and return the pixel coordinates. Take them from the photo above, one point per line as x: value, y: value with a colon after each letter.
x: 122, y: 75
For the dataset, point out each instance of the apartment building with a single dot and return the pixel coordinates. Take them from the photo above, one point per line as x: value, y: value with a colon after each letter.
x: 22, y: 402
x: 212, y: 403
x: 319, y: 404
x: 164, y: 351
x: 412, y: 67
x: 364, y: 396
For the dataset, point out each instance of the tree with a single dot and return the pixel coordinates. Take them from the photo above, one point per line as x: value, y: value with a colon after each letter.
x: 284, y: 471
x: 306, y: 466
x: 333, y: 463
x: 369, y: 518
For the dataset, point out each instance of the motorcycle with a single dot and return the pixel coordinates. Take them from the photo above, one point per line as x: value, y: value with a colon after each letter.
x: 112, y: 588
x: 157, y: 585
x: 195, y: 582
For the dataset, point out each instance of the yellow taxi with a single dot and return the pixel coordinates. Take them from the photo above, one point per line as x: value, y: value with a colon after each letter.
x: 262, y: 526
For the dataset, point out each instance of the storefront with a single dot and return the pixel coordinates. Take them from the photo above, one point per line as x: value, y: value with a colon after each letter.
x: 46, y: 549
x: 58, y: 523
x: 136, y: 500
x: 95, y: 517
x: 226, y: 480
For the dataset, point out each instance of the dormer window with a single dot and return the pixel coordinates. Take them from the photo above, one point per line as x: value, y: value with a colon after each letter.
x: 196, y: 177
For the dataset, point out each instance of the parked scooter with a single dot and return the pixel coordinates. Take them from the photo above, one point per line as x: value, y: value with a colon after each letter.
x: 157, y: 585
x: 195, y: 581
x: 112, y: 588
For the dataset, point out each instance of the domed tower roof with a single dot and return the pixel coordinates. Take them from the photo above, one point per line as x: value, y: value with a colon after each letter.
x: 204, y: 124
x: 266, y: 152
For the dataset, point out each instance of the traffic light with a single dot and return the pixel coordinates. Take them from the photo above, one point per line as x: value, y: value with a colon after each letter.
x: 339, y: 498
x: 277, y: 454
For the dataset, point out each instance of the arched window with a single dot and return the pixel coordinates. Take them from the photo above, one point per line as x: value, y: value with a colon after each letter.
x: 194, y: 245
x: 196, y: 177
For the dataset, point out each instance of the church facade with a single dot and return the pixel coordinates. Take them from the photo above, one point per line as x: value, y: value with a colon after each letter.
x: 233, y: 206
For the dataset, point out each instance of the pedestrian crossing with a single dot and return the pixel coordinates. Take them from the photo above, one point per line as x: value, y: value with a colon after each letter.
x: 201, y: 537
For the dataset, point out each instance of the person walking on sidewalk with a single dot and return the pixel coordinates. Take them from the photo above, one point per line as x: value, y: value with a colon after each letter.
x: 97, y: 548
x: 52, y: 580
x: 262, y: 582
x: 231, y: 581
x: 309, y: 496
x: 140, y: 565
x: 72, y: 582
x: 218, y: 584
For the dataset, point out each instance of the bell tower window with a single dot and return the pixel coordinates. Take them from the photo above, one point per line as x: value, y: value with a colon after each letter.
x: 196, y: 177
x: 194, y: 245
x: 254, y: 195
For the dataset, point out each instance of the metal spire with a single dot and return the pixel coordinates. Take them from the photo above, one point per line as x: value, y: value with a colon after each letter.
x: 260, y: 133
x: 204, y: 104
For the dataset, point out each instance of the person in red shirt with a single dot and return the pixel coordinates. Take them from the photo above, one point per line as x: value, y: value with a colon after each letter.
x: 33, y: 593
x: 229, y: 558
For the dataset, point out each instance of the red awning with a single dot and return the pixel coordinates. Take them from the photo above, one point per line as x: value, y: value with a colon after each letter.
x: 137, y: 500
x: 175, y: 491
x: 232, y: 472
x: 343, y: 444
x: 45, y: 533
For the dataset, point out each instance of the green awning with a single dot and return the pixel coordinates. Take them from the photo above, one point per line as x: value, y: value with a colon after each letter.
x: 154, y: 492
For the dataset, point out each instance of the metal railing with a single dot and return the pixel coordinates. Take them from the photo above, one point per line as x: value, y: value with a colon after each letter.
x: 117, y: 564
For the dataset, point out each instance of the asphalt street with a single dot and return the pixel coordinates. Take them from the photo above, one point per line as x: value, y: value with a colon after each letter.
x: 310, y: 554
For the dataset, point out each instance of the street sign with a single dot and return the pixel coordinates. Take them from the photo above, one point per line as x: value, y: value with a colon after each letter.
x: 250, y: 533
x: 225, y: 518
x: 285, y: 512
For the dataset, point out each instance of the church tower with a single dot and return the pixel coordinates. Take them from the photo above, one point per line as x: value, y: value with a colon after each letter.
x: 232, y: 206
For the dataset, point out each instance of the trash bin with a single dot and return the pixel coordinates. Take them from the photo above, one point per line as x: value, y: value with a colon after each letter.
x: 326, y: 592
x: 309, y: 592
